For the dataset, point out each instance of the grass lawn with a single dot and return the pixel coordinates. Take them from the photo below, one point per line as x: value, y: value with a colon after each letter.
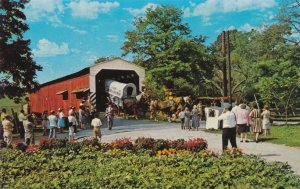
x: 288, y: 135
x: 7, y: 102
x: 10, y: 104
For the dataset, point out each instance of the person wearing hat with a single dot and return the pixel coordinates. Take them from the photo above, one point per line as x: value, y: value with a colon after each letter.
x: 28, y: 127
x: 109, y: 114
x: 52, y: 122
x: 7, y: 130
x: 229, y: 127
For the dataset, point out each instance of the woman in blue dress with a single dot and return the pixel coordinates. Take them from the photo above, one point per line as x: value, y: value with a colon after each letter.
x: 61, y: 120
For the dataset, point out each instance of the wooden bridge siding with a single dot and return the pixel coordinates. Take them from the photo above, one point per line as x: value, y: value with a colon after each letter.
x: 47, y: 99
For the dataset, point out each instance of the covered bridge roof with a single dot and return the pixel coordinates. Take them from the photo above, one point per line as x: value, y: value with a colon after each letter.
x: 70, y: 76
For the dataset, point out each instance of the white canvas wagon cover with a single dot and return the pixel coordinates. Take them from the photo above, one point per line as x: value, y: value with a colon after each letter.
x: 120, y: 90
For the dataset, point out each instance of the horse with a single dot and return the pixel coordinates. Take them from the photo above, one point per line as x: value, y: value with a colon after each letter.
x: 130, y: 107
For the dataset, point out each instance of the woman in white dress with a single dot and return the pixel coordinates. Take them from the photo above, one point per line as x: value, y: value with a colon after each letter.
x: 266, y: 123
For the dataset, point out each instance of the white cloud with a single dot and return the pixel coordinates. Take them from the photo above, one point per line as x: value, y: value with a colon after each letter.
x: 82, y: 32
x: 55, y: 20
x: 192, y: 3
x: 46, y: 48
x: 107, y: 6
x: 270, y: 15
x: 112, y: 38
x: 90, y: 9
x: 206, y: 21
x: 123, y: 21
x: 136, y: 12
x: 89, y: 57
x: 187, y: 12
x: 210, y: 7
x: 38, y: 9
x: 247, y: 27
x: 244, y: 28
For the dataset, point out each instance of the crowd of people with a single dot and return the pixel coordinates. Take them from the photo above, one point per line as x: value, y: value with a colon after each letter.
x: 52, y: 122
x: 238, y: 120
x: 242, y: 120
x: 173, y: 110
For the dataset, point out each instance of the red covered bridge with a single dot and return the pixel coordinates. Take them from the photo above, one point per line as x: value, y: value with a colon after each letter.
x: 87, y: 84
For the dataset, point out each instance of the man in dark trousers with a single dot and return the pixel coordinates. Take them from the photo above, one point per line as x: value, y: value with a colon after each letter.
x: 109, y: 114
x: 229, y: 127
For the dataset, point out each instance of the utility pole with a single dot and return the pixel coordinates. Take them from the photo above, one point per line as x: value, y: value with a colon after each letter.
x: 224, y: 70
x: 229, y: 66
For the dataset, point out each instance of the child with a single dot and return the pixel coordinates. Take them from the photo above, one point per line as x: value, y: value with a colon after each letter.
x: 72, y: 123
x: 181, y: 116
x: 96, y: 123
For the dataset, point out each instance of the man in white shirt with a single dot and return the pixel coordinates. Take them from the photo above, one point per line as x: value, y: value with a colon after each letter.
x: 53, y: 124
x: 229, y: 127
x: 96, y: 123
x: 109, y: 114
x: 236, y: 107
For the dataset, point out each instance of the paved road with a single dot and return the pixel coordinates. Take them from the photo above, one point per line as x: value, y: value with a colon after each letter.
x: 165, y: 130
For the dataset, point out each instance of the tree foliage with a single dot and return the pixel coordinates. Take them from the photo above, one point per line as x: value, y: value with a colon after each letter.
x: 163, y: 45
x: 290, y: 15
x: 276, y: 73
x: 263, y: 63
x: 242, y: 58
x: 17, y: 68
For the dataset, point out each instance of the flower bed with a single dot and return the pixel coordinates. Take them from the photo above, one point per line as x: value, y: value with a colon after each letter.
x: 139, y: 145
x: 123, y: 164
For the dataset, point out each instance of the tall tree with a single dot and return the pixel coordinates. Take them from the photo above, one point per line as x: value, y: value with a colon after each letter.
x: 17, y: 68
x: 242, y: 58
x: 163, y: 45
x: 277, y: 70
x: 290, y: 14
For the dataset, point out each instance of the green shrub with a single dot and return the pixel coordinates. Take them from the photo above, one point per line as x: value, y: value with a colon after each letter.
x: 91, y: 168
x: 143, y: 143
x: 160, y: 144
x: 46, y: 143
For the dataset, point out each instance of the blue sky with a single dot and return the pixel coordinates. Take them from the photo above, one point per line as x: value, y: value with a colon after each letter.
x: 68, y: 35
